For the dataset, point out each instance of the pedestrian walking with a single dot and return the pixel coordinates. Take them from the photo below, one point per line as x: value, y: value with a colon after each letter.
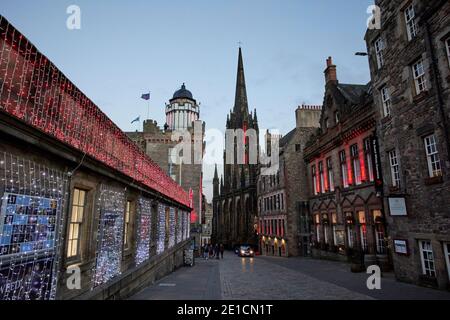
x: 211, y: 252
x: 205, y: 252
x: 221, y: 248
x: 216, y: 251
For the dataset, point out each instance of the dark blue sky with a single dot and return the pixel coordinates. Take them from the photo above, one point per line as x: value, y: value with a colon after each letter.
x: 125, y: 48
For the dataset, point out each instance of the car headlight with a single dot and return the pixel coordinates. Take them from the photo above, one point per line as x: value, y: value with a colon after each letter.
x: 251, y: 252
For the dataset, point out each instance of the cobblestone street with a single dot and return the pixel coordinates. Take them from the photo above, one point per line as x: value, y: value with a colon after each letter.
x: 269, y: 278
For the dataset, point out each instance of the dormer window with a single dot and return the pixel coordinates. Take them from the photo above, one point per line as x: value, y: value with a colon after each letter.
x: 327, y: 123
x: 337, y: 117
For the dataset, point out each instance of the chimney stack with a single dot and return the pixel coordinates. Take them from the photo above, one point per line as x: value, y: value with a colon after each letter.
x: 330, y: 71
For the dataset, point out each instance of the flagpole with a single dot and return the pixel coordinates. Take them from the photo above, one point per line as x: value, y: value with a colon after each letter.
x: 148, y: 107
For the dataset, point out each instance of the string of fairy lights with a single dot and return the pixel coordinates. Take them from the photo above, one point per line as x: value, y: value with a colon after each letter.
x: 161, y: 233
x: 172, y: 227
x: 111, y: 210
x: 35, y: 91
x: 179, y: 223
x: 144, y: 213
x: 30, y: 228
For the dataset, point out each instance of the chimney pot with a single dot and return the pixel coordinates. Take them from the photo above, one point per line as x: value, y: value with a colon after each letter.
x: 330, y: 71
x: 329, y: 61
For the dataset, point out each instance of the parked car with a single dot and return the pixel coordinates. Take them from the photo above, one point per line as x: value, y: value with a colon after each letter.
x: 246, y: 251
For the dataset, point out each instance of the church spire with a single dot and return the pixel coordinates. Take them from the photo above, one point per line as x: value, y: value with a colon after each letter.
x: 240, y: 101
x: 216, y: 176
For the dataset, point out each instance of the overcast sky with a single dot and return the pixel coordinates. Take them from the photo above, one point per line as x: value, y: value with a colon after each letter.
x: 126, y: 48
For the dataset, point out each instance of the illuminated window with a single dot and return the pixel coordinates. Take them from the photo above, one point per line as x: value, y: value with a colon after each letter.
x: 314, y: 177
x: 447, y: 257
x: 76, y: 220
x: 363, y: 229
x: 325, y: 233
x: 379, y: 47
x: 427, y: 258
x: 420, y: 82
x: 356, y: 164
x: 395, y: 171
x: 369, y: 159
x: 330, y: 174
x: 334, y: 222
x: 350, y: 236
x: 434, y: 163
x: 379, y: 232
x: 386, y: 101
x: 411, y: 23
x: 126, y: 232
x: 344, y: 171
x: 322, y: 177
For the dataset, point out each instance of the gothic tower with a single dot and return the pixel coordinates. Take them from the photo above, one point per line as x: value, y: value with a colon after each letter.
x: 237, y: 200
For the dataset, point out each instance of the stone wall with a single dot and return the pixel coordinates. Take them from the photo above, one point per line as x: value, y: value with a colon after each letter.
x: 413, y: 117
x: 135, y: 279
x: 37, y: 166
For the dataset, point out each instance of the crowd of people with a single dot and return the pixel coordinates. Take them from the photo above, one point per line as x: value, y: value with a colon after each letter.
x: 211, y: 251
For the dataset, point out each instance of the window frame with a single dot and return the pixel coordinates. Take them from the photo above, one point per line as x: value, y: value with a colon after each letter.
x: 447, y: 257
x: 79, y: 223
x: 412, y: 29
x: 325, y: 234
x: 321, y: 178
x: 429, y: 270
x: 127, y: 225
x: 314, y: 177
x: 334, y: 223
x: 386, y: 100
x: 350, y: 236
x: 433, y: 158
x: 344, y: 168
x: 379, y: 51
x: 419, y: 76
x: 337, y: 117
x: 356, y: 164
x: 330, y: 174
x: 394, y: 167
x: 318, y: 238
x: 369, y: 159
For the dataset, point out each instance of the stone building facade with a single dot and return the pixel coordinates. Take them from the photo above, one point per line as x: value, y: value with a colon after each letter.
x: 283, y: 227
x: 347, y: 218
x: 410, y: 69
x: 234, y: 198
x: 182, y: 118
x: 207, y: 222
x: 77, y: 196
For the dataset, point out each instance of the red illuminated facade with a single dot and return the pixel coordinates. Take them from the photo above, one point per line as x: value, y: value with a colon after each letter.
x: 347, y: 218
x: 33, y: 90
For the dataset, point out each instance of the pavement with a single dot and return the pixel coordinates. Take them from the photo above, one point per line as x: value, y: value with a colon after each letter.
x: 273, y: 278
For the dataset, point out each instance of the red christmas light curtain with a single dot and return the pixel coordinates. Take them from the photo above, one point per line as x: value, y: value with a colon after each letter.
x: 34, y: 90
